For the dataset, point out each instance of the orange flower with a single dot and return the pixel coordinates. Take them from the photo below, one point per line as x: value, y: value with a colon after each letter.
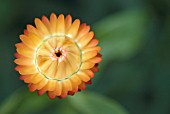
x: 57, y: 56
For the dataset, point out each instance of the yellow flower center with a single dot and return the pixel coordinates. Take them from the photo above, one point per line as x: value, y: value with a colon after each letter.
x: 58, y: 58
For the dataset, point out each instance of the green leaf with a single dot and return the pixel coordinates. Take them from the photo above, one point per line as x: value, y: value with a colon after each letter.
x: 93, y: 103
x: 33, y: 104
x: 9, y: 105
x: 24, y: 102
x: 66, y: 108
x: 122, y: 35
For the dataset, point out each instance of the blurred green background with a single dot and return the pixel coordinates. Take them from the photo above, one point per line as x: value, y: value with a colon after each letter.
x: 134, y: 75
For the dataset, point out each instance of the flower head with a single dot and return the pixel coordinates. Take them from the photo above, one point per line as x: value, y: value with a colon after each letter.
x: 57, y: 57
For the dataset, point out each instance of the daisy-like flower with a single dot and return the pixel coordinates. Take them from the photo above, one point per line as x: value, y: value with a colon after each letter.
x: 57, y: 57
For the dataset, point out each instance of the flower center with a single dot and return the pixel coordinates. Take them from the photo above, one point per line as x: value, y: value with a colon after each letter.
x: 58, y: 54
x: 58, y: 58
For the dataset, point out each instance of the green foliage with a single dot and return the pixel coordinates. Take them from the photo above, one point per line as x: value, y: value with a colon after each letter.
x: 122, y: 35
x: 93, y: 103
x: 12, y: 102
x: 134, y: 74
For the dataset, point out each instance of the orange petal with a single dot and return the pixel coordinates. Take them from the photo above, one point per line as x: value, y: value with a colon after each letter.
x: 26, y: 32
x: 17, y: 55
x: 82, y: 86
x: 26, y: 78
x: 26, y: 70
x: 83, y: 30
x: 32, y: 87
x: 95, y: 69
x: 51, y: 94
x: 24, y: 61
x: 92, y: 43
x: 32, y: 29
x: 68, y: 21
x: 46, y: 22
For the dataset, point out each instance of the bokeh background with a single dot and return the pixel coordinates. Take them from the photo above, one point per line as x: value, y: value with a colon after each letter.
x: 134, y: 75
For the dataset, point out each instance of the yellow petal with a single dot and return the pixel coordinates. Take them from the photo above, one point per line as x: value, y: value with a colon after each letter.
x: 85, y: 39
x: 74, y: 85
x: 51, y: 85
x: 41, y: 84
x: 88, y: 55
x: 37, y: 78
x: 24, y: 61
x: 96, y: 48
x: 53, y: 42
x: 87, y: 65
x: 32, y: 29
x: 60, y: 28
x: 68, y: 22
x: 72, y: 32
x: 52, y: 69
x: 72, y: 63
x: 60, y: 71
x: 24, y: 50
x: 89, y: 73
x: 48, y: 47
x: 83, y: 30
x: 53, y: 21
x: 41, y: 27
x: 26, y: 70
x: 58, y: 88
x: 44, y: 52
x: 83, y: 76
x: 34, y: 39
x: 45, y: 65
x: 75, y: 79
x: 92, y: 43
x: 95, y: 60
x: 27, y: 41
x: 67, y: 85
